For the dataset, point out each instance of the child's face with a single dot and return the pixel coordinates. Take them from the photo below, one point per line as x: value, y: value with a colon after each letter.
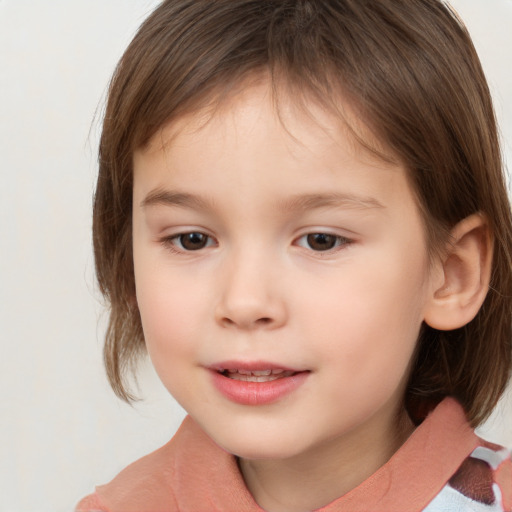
x: 261, y: 247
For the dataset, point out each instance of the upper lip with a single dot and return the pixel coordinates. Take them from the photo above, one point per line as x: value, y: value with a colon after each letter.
x: 252, y: 366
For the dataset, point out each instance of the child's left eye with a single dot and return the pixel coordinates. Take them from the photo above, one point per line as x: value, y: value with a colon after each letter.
x: 321, y: 242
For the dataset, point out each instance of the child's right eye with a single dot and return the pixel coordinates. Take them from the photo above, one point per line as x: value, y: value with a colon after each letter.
x: 192, y: 241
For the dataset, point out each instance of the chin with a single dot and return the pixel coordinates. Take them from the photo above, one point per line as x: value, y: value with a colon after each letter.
x: 260, y: 451
x: 257, y: 443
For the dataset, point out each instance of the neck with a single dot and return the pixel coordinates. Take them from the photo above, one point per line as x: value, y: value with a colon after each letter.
x: 314, y: 479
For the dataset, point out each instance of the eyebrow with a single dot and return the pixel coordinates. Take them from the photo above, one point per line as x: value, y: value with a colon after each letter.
x: 171, y: 198
x: 296, y: 203
x: 330, y: 200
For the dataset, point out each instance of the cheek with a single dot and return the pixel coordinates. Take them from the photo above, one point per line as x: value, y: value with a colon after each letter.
x: 169, y: 319
x: 369, y: 326
x: 169, y: 313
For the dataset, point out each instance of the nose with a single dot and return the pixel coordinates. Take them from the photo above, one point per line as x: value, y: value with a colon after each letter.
x: 251, y: 297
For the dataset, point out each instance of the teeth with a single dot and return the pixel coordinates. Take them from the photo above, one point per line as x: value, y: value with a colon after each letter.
x: 253, y: 378
x: 262, y: 373
x: 258, y: 375
x: 257, y: 378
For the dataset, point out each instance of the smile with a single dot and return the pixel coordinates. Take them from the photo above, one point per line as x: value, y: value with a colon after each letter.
x: 251, y: 386
x: 257, y: 375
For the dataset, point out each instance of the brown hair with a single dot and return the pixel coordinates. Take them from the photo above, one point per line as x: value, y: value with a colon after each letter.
x: 412, y: 73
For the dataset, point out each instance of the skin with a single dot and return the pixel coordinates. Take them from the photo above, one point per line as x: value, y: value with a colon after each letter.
x: 260, y: 291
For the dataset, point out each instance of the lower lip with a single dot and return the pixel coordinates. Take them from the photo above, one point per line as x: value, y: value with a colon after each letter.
x: 257, y: 393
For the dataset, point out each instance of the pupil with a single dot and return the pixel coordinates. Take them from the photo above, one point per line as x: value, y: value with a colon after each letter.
x: 321, y: 241
x: 193, y: 241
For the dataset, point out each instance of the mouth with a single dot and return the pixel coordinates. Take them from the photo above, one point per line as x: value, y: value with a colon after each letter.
x: 256, y: 375
x: 256, y: 383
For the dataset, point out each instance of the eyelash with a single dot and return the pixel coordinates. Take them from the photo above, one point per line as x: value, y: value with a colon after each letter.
x: 339, y: 242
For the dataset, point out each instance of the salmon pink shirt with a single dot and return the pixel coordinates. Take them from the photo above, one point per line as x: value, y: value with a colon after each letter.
x: 443, y: 466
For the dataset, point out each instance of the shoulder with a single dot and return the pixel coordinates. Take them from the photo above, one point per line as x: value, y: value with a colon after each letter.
x: 147, y: 482
x: 185, y: 474
x: 91, y: 503
x: 189, y: 474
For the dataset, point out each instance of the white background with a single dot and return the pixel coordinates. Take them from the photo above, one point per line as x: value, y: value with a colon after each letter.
x: 61, y: 429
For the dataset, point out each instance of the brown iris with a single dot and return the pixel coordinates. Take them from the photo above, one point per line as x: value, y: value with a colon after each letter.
x: 193, y: 241
x: 321, y: 241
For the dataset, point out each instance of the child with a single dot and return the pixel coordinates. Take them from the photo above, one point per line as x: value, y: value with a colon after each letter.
x: 301, y: 215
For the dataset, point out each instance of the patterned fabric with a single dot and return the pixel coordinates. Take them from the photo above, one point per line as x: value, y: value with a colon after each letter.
x: 482, y: 483
x: 442, y: 467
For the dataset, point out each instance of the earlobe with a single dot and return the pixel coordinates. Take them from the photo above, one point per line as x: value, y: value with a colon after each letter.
x: 465, y: 268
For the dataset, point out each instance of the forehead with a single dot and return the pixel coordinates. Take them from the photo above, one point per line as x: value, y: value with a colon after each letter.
x: 280, y: 147
x: 258, y: 96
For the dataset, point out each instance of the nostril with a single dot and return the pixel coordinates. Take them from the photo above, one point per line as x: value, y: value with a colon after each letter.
x: 228, y: 322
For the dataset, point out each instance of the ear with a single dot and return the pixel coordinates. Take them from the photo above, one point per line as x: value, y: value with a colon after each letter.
x: 464, y: 273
